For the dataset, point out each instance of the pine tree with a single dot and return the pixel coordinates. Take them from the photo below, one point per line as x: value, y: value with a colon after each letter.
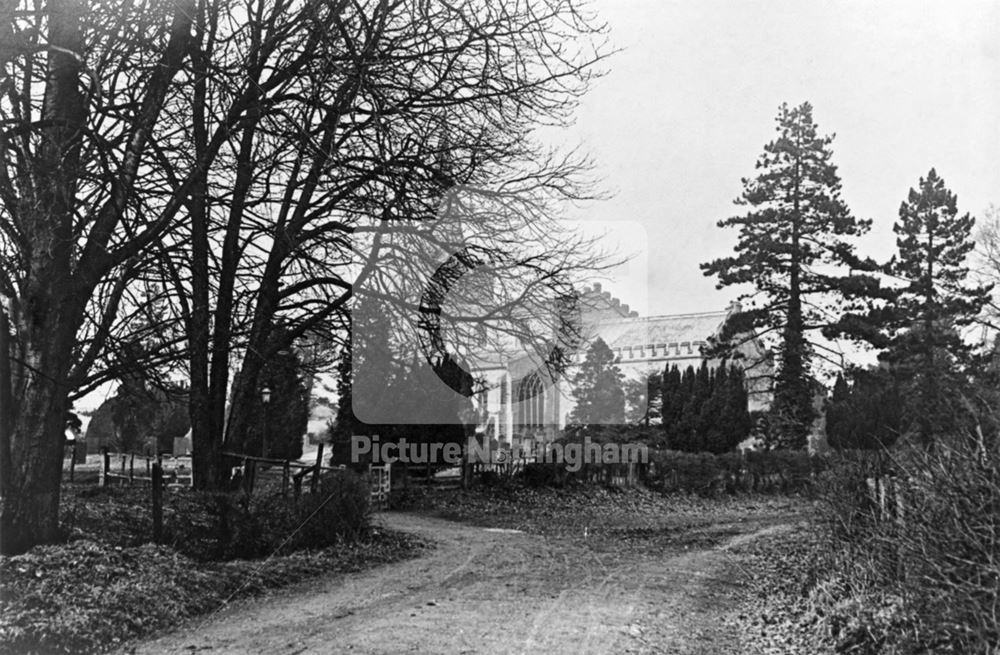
x: 917, y: 325
x: 933, y: 243
x: 794, y: 234
x: 599, y: 391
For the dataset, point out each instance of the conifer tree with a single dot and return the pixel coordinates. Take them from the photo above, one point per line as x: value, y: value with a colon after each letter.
x: 933, y: 243
x: 287, y: 413
x: 599, y: 392
x: 866, y: 412
x: 680, y: 432
x: 725, y: 415
x: 672, y: 403
x: 691, y: 427
x: 711, y: 404
x: 736, y: 410
x: 836, y: 413
x: 917, y: 326
x: 711, y: 428
x: 792, y: 242
x: 344, y: 422
x: 368, y: 371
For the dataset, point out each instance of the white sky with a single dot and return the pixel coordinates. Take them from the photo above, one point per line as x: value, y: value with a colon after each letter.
x: 688, y: 105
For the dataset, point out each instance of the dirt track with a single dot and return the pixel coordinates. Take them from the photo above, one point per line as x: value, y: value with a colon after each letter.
x: 488, y: 591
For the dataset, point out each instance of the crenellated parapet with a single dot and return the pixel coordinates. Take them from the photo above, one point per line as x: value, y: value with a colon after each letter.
x: 654, y: 352
x: 598, y: 303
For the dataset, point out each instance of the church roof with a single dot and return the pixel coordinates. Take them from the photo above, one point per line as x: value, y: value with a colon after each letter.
x: 668, y: 329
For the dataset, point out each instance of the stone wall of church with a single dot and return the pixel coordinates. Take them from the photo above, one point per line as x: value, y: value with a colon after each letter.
x: 514, y: 412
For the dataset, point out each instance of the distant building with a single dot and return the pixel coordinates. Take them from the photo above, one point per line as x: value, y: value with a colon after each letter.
x: 522, y: 403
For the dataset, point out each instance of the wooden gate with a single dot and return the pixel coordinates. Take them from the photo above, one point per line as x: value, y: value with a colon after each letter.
x: 380, y: 478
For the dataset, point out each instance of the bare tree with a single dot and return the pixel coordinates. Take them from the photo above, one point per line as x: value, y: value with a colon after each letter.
x: 81, y: 96
x: 387, y: 107
x: 238, y: 151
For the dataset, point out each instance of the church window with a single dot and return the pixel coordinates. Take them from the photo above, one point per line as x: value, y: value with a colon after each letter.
x: 530, y: 402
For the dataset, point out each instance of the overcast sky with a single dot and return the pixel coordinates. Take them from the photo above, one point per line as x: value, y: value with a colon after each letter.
x: 689, y: 103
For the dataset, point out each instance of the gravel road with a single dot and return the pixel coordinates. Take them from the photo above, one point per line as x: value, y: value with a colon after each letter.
x: 495, y: 591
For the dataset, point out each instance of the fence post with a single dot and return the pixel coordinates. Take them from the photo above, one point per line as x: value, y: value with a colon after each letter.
x: 105, y: 465
x: 900, y: 511
x: 72, y: 461
x: 131, y: 468
x: 247, y: 486
x: 872, y: 486
x: 157, y: 502
x: 314, y: 483
x: 286, y: 470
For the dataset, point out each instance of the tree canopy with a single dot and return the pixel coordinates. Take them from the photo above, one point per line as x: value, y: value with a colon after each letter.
x: 251, y: 158
x: 793, y: 246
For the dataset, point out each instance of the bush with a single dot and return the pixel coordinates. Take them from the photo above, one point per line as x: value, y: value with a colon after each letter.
x: 733, y: 472
x: 225, y: 526
x: 915, y: 565
x: 701, y: 473
x: 545, y: 474
x: 105, y: 585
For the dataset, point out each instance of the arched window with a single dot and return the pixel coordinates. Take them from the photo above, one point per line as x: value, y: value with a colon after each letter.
x: 530, y: 396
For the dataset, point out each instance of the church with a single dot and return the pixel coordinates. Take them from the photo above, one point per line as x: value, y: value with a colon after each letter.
x: 523, y: 405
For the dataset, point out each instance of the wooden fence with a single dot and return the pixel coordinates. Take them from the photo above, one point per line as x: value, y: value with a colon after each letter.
x: 131, y: 468
x: 247, y: 469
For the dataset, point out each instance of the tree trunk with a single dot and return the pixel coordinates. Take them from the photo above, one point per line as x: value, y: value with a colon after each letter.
x: 57, y: 282
x: 45, y: 329
x: 792, y: 401
x: 30, y: 514
x: 47, y: 313
x: 245, y: 391
x: 928, y: 381
x: 204, y: 435
x: 6, y: 402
